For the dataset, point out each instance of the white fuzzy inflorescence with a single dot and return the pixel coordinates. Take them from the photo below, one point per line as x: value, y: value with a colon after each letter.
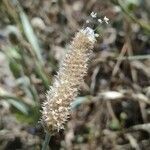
x: 89, y: 32
x: 73, y: 68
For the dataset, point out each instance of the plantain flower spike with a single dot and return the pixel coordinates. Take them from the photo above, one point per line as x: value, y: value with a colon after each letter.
x: 73, y: 68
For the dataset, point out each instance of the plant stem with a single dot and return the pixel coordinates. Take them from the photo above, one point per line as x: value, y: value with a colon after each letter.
x: 46, y: 141
x: 135, y: 57
x: 126, y: 11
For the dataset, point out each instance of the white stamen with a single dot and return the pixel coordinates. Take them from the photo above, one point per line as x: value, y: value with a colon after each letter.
x: 100, y: 20
x: 96, y: 35
x: 93, y: 14
x: 106, y: 19
x: 87, y: 21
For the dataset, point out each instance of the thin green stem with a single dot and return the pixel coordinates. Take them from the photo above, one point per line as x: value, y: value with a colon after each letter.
x: 131, y: 16
x: 46, y: 141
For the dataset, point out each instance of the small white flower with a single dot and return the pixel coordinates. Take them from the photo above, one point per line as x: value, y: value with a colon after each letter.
x: 106, y: 19
x: 96, y: 35
x: 87, y: 21
x: 93, y: 14
x: 100, y: 20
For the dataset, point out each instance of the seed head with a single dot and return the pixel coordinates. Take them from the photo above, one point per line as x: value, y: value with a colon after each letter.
x: 73, y: 68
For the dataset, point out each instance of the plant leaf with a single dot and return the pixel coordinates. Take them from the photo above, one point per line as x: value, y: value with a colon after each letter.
x: 28, y: 30
x: 19, y: 105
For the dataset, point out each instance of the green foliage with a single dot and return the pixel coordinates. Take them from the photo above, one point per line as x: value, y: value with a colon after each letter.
x: 20, y: 106
x: 114, y: 124
x: 31, y: 118
x: 30, y: 35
